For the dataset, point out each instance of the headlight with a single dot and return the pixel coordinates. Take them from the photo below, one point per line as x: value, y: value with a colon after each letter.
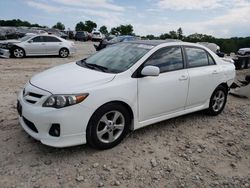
x: 61, y: 101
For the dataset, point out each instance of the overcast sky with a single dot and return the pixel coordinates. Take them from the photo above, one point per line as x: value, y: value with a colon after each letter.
x: 221, y: 18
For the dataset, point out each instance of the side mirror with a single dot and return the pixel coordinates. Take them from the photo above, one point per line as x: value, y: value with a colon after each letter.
x: 30, y: 41
x: 150, y: 71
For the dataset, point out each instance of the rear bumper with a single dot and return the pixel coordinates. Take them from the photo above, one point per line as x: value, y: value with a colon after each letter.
x: 4, y: 53
x: 72, y: 50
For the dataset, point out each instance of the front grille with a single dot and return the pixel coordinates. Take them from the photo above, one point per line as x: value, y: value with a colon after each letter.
x: 31, y: 97
x: 30, y: 125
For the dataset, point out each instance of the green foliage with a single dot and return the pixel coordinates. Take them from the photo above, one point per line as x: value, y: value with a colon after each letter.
x: 103, y: 29
x: 18, y: 23
x: 165, y: 36
x: 90, y: 26
x: 59, y: 26
x: 122, y: 30
x: 80, y: 26
x: 173, y: 34
x: 180, y: 33
x: 87, y: 26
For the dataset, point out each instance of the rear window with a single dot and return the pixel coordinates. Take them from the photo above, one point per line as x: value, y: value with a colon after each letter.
x: 51, y: 39
x: 196, y: 57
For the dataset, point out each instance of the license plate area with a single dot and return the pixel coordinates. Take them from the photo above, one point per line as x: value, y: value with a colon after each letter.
x: 19, y: 108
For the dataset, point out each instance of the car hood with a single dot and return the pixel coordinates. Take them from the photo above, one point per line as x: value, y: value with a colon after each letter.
x: 70, y: 78
x: 9, y: 41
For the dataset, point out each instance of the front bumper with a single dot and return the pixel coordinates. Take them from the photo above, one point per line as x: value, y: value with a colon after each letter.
x: 73, y: 120
x: 4, y: 53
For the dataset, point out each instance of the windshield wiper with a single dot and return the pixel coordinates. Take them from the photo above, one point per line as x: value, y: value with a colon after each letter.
x: 93, y: 66
x: 102, y: 68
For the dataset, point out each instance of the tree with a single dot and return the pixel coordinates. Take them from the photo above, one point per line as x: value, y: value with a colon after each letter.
x: 173, y: 34
x: 115, y: 31
x: 80, y: 26
x: 18, y: 23
x: 180, y: 34
x: 122, y: 30
x: 103, y: 29
x: 150, y: 37
x: 59, y: 26
x: 90, y: 26
x: 165, y: 36
x: 126, y: 29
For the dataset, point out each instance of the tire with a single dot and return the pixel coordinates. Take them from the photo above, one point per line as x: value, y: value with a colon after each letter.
x: 64, y: 52
x: 18, y: 52
x: 247, y: 64
x: 103, y: 132
x: 217, y: 101
x: 243, y: 64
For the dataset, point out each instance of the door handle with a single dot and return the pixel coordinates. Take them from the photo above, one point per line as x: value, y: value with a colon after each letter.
x: 215, y: 72
x: 43, y: 43
x: 183, y: 77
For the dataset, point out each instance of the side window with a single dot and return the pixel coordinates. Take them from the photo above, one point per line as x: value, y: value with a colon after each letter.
x: 210, y: 60
x: 38, y: 39
x: 196, y: 57
x: 167, y: 59
x: 51, y: 39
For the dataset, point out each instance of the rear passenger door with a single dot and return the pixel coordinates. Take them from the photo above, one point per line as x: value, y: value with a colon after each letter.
x: 52, y: 45
x: 204, y: 76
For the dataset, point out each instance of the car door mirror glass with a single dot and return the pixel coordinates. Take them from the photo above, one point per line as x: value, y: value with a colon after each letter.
x: 30, y: 41
x: 150, y: 71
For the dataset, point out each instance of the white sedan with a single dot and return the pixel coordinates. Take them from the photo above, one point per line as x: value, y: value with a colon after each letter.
x: 37, y: 45
x: 127, y: 86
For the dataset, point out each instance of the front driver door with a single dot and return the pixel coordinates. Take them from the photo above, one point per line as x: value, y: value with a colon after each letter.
x: 167, y: 93
x: 35, y: 46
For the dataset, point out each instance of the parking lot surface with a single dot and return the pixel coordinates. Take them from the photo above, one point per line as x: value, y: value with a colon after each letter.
x: 195, y: 150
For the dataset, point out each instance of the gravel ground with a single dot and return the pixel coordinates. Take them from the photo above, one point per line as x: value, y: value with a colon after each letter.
x: 195, y: 150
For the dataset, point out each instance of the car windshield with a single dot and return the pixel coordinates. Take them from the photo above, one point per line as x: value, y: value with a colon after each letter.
x: 117, y: 58
x: 25, y: 38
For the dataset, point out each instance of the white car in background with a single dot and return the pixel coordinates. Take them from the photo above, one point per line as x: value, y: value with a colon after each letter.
x: 127, y: 86
x: 97, y: 36
x: 37, y: 45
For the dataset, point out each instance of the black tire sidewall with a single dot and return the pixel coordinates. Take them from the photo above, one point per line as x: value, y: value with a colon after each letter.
x: 210, y: 109
x: 92, y: 138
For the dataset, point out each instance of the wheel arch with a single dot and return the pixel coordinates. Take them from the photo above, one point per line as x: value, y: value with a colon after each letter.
x: 16, y: 46
x: 127, y: 106
x: 225, y: 85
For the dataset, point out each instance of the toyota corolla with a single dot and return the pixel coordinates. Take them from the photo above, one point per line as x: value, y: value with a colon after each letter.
x: 127, y: 86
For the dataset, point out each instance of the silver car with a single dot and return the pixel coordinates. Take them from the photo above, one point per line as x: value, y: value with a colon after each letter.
x: 37, y: 45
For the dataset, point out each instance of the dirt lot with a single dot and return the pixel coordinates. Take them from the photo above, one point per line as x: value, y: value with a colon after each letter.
x: 195, y: 150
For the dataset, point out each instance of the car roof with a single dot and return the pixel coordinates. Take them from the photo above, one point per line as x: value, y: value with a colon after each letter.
x: 167, y: 41
x: 154, y: 42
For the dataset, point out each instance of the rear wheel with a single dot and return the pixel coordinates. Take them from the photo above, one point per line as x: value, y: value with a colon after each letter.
x: 64, y: 52
x: 18, y: 53
x: 108, y: 126
x: 217, y: 101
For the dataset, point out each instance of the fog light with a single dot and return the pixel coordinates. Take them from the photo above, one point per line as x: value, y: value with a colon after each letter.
x: 55, y: 130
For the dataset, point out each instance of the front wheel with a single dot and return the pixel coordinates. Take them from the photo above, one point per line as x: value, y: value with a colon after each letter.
x: 64, y: 53
x: 108, y: 126
x: 217, y: 101
x: 18, y: 53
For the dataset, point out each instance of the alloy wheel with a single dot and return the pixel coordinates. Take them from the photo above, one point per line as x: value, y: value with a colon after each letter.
x: 64, y: 53
x: 110, y: 126
x: 18, y: 52
x: 218, y: 100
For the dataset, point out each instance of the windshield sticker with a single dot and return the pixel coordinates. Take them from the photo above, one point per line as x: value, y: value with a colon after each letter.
x: 145, y: 46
